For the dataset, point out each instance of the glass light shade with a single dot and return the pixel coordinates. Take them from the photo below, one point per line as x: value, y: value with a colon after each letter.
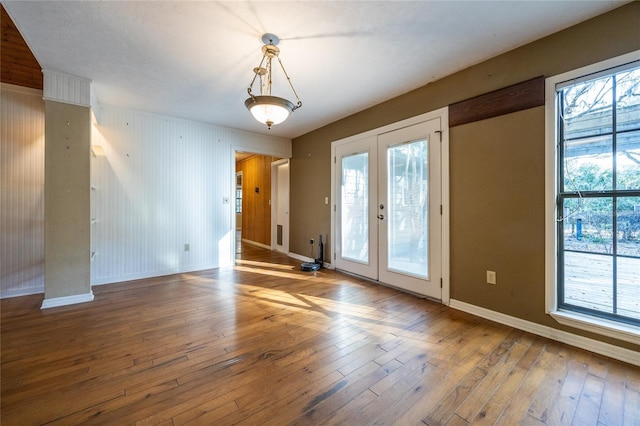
x: 269, y: 110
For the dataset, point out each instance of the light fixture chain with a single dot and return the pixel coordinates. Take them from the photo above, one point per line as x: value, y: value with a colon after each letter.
x: 255, y: 75
x: 299, y: 104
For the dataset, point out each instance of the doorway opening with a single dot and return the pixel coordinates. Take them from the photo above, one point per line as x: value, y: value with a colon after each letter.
x: 262, y: 201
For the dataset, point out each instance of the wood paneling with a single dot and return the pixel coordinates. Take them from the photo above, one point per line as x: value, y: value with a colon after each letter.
x: 264, y: 343
x: 18, y: 65
x: 517, y: 97
x: 163, y: 183
x: 256, y: 196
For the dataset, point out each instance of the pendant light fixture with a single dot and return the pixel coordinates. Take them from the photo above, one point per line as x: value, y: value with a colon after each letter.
x: 265, y: 108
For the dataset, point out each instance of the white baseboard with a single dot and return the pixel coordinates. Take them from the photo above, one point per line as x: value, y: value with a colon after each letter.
x: 67, y: 300
x: 308, y: 259
x: 257, y: 244
x: 18, y: 293
x: 152, y: 274
x: 606, y: 349
x: 300, y: 257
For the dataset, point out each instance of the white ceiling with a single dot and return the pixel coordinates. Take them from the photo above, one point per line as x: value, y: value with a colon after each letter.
x: 194, y: 59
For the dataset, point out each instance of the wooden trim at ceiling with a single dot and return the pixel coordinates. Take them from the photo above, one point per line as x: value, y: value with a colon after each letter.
x: 517, y: 97
x: 18, y: 65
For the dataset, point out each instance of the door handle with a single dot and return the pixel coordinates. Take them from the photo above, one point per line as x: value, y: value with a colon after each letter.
x: 381, y: 216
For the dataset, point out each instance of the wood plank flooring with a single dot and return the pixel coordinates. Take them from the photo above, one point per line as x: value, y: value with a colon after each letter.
x: 266, y: 344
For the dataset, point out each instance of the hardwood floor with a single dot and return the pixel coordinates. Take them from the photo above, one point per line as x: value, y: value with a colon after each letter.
x: 264, y: 343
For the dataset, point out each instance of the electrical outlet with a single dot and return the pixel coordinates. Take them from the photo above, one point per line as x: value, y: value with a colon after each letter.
x: 491, y: 277
x: 311, y: 241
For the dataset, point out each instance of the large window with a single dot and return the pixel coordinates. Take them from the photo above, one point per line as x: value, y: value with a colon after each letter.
x: 597, y: 194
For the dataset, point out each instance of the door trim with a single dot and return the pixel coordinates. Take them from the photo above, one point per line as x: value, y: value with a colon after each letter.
x: 275, y: 183
x: 443, y: 114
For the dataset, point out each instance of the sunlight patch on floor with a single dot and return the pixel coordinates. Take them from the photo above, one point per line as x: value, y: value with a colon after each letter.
x: 264, y: 264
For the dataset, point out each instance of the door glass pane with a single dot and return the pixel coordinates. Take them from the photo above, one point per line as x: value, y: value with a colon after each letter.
x: 355, y: 207
x: 407, y: 210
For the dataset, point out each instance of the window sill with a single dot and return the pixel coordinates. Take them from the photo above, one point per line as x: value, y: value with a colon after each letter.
x: 624, y: 332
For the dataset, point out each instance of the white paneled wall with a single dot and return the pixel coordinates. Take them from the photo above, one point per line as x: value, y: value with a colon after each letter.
x: 67, y: 88
x: 21, y: 191
x: 162, y: 184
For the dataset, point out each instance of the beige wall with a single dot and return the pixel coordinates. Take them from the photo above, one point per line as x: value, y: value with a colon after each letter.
x: 497, y: 213
x: 497, y: 167
x: 67, y: 200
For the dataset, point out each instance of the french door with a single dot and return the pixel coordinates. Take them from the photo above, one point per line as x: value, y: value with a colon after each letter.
x: 388, y: 209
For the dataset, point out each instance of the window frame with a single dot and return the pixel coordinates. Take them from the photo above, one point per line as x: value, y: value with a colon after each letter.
x: 580, y: 320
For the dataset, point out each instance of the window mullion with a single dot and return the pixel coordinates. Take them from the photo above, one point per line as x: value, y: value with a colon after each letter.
x: 614, y: 175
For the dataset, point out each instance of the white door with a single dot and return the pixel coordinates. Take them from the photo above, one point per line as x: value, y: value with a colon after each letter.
x: 388, y: 215
x: 409, y: 199
x: 280, y: 205
x: 357, y: 193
